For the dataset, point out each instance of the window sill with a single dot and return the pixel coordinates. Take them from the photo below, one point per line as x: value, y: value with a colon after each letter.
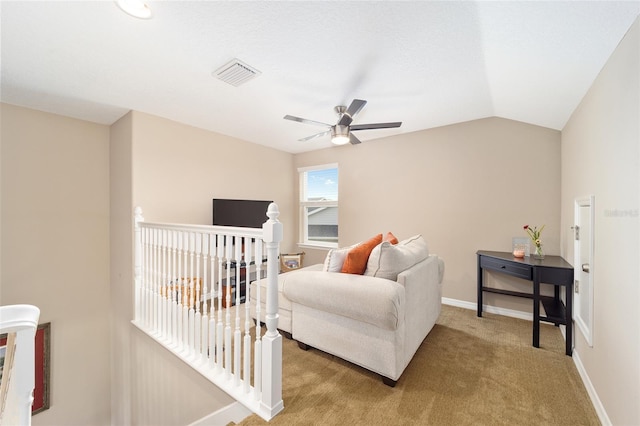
x: 320, y: 246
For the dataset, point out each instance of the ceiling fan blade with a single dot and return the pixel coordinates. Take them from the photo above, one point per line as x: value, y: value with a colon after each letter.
x: 353, y: 139
x: 317, y: 135
x: 354, y: 108
x: 304, y: 120
x: 376, y: 126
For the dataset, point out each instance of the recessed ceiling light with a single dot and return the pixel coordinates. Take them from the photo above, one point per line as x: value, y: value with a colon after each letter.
x: 135, y: 8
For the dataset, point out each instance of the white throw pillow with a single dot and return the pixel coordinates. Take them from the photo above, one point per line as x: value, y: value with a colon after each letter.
x: 387, y: 260
x: 335, y: 259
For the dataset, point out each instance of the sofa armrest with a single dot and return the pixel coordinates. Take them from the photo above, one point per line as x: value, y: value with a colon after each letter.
x: 376, y: 301
x: 423, y: 288
x: 429, y: 270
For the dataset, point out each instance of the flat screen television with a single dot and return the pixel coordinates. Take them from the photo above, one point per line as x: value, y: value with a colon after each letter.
x: 242, y: 213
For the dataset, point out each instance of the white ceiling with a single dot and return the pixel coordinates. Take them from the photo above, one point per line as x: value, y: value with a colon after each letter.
x: 424, y: 63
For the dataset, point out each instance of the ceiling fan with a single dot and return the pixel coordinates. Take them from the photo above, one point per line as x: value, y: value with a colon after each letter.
x: 341, y: 132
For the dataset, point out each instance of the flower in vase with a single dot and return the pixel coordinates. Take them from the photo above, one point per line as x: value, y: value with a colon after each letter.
x: 534, y: 234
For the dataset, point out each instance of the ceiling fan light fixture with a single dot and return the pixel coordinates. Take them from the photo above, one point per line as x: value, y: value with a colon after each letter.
x: 136, y: 8
x: 341, y: 131
x: 339, y: 134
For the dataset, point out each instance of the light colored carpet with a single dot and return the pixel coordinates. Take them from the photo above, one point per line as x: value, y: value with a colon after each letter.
x: 468, y: 371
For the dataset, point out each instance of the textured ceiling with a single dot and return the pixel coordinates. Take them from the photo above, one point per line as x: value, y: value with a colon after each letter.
x: 424, y: 63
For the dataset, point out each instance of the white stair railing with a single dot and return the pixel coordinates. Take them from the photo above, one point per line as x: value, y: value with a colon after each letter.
x: 19, y: 323
x: 192, y: 296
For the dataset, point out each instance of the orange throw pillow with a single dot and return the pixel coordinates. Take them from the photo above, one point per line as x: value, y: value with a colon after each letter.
x: 356, y: 261
x: 391, y: 238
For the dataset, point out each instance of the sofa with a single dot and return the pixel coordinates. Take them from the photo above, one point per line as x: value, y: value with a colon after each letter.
x: 376, y: 319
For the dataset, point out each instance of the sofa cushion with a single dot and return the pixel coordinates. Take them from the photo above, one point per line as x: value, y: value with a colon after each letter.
x: 356, y: 260
x: 335, y: 259
x: 283, y: 302
x: 391, y: 238
x: 387, y: 260
x: 372, y: 300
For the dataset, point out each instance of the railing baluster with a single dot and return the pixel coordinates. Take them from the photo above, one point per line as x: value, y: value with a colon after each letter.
x: 164, y: 283
x: 257, y: 377
x: 191, y: 293
x: 179, y: 290
x: 227, y: 319
x: 174, y: 280
x: 167, y: 286
x: 198, y: 316
x: 247, y: 316
x: 204, y: 322
x: 156, y: 278
x: 219, y: 326
x: 137, y: 263
x: 157, y: 305
x: 236, y: 334
x: 150, y: 278
x: 145, y: 275
x: 212, y: 319
x: 185, y: 293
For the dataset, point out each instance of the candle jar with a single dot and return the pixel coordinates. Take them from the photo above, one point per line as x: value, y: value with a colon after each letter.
x: 519, y: 250
x: 520, y: 247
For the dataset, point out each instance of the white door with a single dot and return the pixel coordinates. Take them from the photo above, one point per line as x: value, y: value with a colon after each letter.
x: 583, y: 266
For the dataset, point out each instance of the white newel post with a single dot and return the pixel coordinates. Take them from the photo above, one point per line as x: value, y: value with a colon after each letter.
x: 137, y: 217
x: 272, y: 340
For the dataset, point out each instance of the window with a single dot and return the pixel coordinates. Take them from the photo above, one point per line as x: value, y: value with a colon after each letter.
x: 319, y: 205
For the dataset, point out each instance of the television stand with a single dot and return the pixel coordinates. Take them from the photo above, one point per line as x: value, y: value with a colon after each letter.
x: 229, y: 287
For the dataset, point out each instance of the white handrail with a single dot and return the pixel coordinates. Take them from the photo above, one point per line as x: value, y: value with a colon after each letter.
x: 19, y: 322
x: 183, y: 299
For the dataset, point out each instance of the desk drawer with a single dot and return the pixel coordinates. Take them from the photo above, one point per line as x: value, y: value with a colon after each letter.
x: 507, y: 267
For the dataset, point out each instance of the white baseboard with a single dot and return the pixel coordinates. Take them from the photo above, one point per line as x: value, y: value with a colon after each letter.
x: 595, y: 400
x: 593, y: 395
x: 234, y: 412
x: 486, y: 308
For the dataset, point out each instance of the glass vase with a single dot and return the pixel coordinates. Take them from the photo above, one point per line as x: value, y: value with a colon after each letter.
x: 538, y: 253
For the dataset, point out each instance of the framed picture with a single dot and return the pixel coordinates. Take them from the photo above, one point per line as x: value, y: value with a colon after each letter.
x: 42, y: 365
x: 290, y: 261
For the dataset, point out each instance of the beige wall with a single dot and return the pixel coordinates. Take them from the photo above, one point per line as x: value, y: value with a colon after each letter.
x: 466, y: 187
x: 173, y: 171
x: 55, y: 251
x: 601, y: 157
x: 179, y: 169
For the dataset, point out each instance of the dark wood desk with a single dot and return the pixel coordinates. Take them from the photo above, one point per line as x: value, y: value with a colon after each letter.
x: 550, y: 270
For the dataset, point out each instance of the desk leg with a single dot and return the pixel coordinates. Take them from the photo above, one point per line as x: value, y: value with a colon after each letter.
x: 556, y: 294
x: 536, y: 309
x: 569, y: 318
x: 479, y: 288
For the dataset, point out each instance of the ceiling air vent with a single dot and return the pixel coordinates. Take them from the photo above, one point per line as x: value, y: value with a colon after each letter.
x: 236, y: 72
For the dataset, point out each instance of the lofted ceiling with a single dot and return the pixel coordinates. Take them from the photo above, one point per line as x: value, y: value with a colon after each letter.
x: 425, y: 63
